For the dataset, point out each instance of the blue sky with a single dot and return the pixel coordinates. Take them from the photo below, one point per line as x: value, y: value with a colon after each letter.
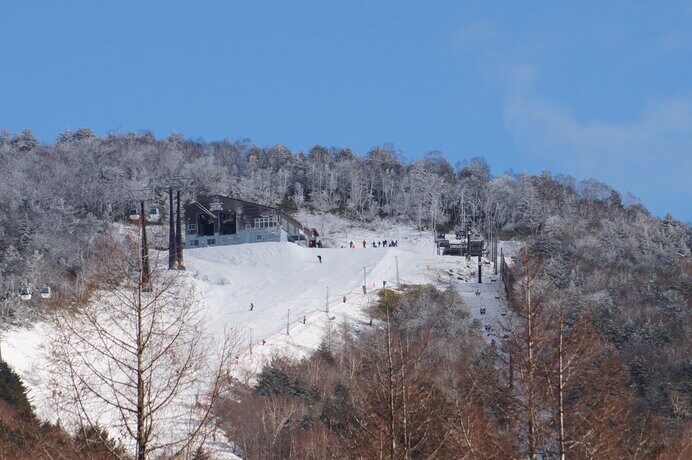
x: 597, y: 90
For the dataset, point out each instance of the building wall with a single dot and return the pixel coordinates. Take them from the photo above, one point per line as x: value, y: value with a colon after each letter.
x: 245, y: 236
x: 246, y: 213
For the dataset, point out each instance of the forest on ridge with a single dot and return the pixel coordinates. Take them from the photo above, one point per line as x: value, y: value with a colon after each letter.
x: 601, y: 280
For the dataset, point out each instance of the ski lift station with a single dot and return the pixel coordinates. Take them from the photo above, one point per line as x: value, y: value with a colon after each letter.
x: 220, y: 220
x: 472, y: 244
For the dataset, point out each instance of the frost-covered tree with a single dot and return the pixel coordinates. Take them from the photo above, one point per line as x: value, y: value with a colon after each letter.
x: 83, y: 134
x: 65, y: 137
x: 26, y: 141
x: 298, y: 195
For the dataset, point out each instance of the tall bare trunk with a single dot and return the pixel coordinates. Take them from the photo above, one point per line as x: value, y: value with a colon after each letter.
x: 141, y: 434
x: 390, y: 387
x: 146, y: 274
x: 561, y: 388
x: 404, y: 408
x: 530, y: 365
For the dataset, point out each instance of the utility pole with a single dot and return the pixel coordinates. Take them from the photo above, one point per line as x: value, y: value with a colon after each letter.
x: 502, y: 264
x: 495, y: 253
x: 171, y: 232
x: 175, y: 233
x: 480, y: 268
x: 288, y: 322
x: 326, y: 302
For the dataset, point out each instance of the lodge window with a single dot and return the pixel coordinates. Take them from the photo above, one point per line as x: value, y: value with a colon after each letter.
x: 228, y: 225
x: 195, y: 242
x: 265, y: 221
x: 211, y: 241
x: 192, y: 228
x: 259, y: 237
x: 205, y: 225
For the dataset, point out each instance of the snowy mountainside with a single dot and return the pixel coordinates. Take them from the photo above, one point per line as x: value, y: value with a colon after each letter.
x: 296, y: 299
x: 289, y: 287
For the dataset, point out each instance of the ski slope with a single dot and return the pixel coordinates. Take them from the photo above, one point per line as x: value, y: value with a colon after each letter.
x: 297, y: 299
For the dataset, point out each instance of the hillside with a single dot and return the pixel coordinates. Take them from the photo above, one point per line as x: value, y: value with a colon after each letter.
x: 592, y: 253
x: 282, y: 277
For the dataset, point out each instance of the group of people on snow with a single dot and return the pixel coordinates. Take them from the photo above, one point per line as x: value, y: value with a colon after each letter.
x: 376, y: 244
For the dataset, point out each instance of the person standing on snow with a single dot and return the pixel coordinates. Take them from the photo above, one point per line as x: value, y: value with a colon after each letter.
x: 319, y: 258
x: 252, y: 306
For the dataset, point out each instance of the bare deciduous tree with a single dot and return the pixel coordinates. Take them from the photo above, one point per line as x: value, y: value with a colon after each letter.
x: 139, y: 363
x: 524, y: 348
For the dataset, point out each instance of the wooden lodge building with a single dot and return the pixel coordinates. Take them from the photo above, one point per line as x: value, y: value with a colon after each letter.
x: 219, y: 220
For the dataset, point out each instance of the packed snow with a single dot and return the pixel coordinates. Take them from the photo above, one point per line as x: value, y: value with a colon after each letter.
x: 282, y: 299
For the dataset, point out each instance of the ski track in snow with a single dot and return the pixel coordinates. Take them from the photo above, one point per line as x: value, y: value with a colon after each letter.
x: 278, y: 277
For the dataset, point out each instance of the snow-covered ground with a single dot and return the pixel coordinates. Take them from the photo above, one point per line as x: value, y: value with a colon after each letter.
x: 296, y: 298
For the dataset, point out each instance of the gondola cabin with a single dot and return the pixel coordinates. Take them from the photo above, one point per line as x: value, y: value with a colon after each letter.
x: 25, y: 294
x: 154, y: 215
x: 134, y: 214
x: 45, y: 292
x: 220, y: 220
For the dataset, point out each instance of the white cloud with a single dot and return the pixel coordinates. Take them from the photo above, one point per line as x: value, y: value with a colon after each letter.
x: 651, y: 156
